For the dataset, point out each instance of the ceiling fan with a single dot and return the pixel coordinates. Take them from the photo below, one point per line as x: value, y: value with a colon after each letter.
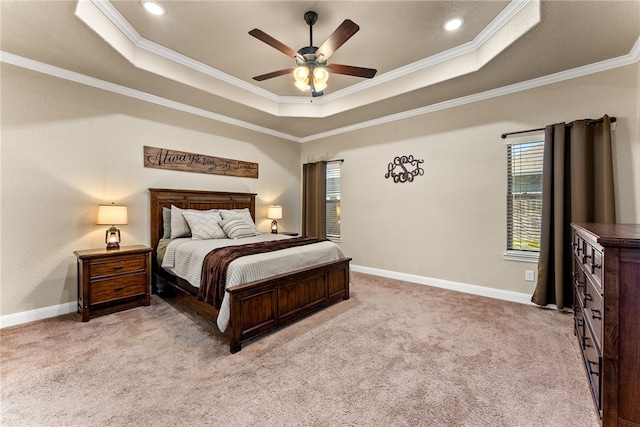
x: 312, y: 71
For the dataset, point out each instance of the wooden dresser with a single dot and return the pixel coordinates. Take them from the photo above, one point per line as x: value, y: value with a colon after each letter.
x: 606, y: 282
x: 110, y: 280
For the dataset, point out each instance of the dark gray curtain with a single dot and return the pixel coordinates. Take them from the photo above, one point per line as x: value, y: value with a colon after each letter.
x: 577, y: 186
x: 314, y: 199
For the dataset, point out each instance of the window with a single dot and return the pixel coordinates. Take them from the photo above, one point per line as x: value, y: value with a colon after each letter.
x: 524, y: 197
x: 333, y: 200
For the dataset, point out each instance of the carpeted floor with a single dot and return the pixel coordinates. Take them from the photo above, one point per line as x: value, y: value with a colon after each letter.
x: 395, y: 354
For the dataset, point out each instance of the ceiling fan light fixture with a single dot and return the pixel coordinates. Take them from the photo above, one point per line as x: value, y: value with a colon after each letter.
x: 320, y: 75
x: 319, y: 87
x: 153, y: 7
x: 302, y: 85
x: 301, y: 73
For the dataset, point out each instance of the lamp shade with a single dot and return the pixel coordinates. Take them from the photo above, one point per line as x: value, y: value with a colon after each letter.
x: 112, y: 215
x: 274, y: 212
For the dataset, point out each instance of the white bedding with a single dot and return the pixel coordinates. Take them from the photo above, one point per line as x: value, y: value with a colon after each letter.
x: 184, y: 258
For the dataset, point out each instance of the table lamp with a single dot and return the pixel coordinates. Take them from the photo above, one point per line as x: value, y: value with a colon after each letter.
x: 112, y: 215
x: 274, y: 212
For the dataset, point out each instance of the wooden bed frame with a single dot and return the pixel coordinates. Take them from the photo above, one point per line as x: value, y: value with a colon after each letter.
x: 257, y: 307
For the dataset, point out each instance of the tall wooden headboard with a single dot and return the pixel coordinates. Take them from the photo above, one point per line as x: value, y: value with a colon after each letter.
x: 192, y: 199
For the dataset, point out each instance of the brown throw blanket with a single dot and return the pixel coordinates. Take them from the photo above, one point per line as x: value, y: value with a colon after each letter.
x: 214, y: 266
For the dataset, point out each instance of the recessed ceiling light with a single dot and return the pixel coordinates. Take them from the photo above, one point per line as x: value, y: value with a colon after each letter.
x: 153, y: 7
x: 453, y: 24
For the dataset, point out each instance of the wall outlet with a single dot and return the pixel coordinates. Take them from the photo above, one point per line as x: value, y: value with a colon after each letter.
x: 529, y: 275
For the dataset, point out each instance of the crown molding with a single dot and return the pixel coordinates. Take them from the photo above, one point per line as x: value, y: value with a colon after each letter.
x: 513, y: 22
x: 51, y: 70
x: 631, y: 58
x: 505, y: 16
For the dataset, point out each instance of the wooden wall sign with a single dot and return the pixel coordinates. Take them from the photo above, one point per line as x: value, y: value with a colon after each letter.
x: 404, y: 169
x: 162, y: 158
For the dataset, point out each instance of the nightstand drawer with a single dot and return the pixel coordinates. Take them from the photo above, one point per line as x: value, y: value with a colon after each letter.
x: 117, y: 266
x: 122, y: 287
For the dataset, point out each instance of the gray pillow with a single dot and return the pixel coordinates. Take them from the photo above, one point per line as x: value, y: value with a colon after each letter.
x: 166, y: 223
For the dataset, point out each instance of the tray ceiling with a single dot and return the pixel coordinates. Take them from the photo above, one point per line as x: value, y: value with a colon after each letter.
x: 200, y: 58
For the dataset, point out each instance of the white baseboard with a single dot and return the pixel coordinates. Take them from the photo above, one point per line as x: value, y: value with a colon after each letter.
x: 447, y: 284
x: 37, y: 314
x: 70, y: 307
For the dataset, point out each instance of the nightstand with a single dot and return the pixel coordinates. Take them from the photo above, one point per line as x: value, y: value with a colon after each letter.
x: 113, y: 280
x: 288, y: 233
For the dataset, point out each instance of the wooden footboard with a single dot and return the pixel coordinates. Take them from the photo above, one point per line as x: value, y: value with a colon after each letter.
x: 257, y: 307
x: 261, y: 306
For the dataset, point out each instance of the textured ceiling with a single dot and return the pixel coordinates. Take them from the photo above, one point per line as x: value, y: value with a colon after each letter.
x: 418, y: 63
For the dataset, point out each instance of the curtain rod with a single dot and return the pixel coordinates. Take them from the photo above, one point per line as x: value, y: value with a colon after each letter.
x: 589, y: 122
x: 334, y: 161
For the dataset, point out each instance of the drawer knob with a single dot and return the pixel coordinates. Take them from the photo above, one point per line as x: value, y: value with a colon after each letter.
x: 593, y: 267
x: 591, y: 371
x: 595, y: 314
x: 119, y: 288
x: 118, y: 267
x: 588, y: 297
x: 584, y: 343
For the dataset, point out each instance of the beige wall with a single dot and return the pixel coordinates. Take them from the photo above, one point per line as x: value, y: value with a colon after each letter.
x: 68, y: 147
x: 450, y: 223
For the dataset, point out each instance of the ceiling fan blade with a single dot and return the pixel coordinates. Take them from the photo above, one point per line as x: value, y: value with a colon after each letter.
x: 350, y: 70
x: 274, y: 74
x: 343, y: 33
x: 262, y: 36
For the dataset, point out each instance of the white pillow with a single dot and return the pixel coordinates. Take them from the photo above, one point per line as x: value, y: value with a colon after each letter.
x: 239, y: 213
x: 179, y: 225
x: 236, y: 228
x: 204, y: 225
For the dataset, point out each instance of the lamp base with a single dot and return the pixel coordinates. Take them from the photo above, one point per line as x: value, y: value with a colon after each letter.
x: 274, y: 227
x: 113, y: 245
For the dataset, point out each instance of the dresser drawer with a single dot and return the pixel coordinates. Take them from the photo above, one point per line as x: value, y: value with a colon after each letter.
x: 593, y: 263
x: 121, y: 287
x: 593, y: 310
x: 577, y: 244
x: 593, y: 364
x: 121, y: 265
x: 578, y: 279
x: 578, y: 321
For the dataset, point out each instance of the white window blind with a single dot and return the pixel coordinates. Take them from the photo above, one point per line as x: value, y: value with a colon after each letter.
x: 524, y: 195
x: 333, y: 199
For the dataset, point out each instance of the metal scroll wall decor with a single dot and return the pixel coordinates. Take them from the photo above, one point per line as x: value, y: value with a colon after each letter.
x: 404, y: 169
